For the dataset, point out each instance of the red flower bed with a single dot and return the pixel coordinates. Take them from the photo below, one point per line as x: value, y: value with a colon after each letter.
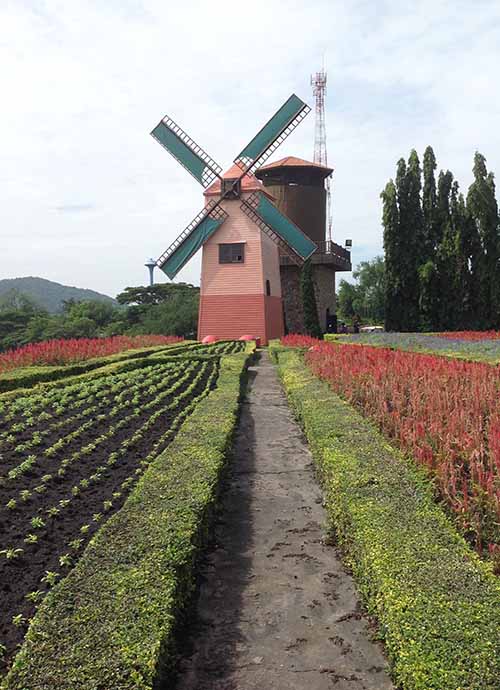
x: 76, y: 350
x: 470, y: 335
x: 296, y: 340
x: 444, y: 413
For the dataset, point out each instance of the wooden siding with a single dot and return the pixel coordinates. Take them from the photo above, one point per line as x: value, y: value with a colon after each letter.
x: 271, y: 265
x: 228, y: 317
x: 233, y: 279
x: 275, y: 327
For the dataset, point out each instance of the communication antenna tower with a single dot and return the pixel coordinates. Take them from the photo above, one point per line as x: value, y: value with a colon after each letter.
x: 318, y: 82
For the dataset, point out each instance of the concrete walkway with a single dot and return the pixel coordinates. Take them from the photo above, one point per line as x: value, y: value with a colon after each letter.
x: 277, y: 611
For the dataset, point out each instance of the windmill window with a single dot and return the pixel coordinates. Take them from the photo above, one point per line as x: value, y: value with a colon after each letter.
x: 231, y: 187
x: 268, y: 287
x: 232, y: 253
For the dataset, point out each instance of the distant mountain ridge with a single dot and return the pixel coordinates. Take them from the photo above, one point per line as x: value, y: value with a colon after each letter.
x: 48, y: 294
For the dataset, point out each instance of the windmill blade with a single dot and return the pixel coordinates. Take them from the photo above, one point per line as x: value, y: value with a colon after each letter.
x: 274, y: 133
x: 278, y: 227
x: 191, y: 239
x: 186, y: 151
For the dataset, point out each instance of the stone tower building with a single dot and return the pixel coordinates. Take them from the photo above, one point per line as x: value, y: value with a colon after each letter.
x: 298, y: 188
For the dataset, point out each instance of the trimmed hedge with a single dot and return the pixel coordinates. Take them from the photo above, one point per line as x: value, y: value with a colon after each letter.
x: 110, y: 623
x: 31, y: 376
x: 437, y: 604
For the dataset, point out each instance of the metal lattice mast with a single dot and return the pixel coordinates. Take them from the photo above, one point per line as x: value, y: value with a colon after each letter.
x: 318, y: 82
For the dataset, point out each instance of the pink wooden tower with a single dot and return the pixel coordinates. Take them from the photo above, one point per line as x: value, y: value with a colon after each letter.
x: 240, y: 230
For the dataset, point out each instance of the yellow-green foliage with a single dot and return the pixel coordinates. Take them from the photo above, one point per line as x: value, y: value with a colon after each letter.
x: 31, y: 376
x: 110, y: 624
x: 437, y: 604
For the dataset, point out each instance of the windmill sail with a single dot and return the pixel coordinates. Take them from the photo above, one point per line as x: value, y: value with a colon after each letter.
x: 186, y: 151
x: 265, y: 142
x: 191, y: 239
x: 287, y: 235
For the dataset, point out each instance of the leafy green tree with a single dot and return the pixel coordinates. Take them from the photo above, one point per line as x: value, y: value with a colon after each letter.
x: 403, y: 235
x: 429, y: 295
x: 310, y: 309
x: 437, y: 275
x: 483, y: 209
x: 153, y: 294
x: 163, y: 308
x: 346, y: 297
x: 16, y: 311
x: 430, y: 237
x: 413, y: 234
x: 101, y: 313
x: 468, y: 250
x: 366, y: 298
x: 176, y: 316
x: 392, y: 249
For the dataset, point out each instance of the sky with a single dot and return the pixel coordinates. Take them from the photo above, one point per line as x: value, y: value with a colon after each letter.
x: 87, y: 195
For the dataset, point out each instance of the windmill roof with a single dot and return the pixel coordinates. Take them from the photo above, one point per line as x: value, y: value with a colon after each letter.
x: 249, y: 183
x: 294, y: 162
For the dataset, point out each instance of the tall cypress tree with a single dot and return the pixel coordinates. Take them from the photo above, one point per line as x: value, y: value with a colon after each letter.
x: 311, y: 321
x: 482, y: 206
x: 409, y: 185
x: 464, y: 250
x: 392, y: 250
x: 429, y: 205
x: 446, y: 257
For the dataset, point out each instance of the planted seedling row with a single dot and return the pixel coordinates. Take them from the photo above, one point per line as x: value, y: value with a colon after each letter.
x: 52, y: 542
x: 26, y: 454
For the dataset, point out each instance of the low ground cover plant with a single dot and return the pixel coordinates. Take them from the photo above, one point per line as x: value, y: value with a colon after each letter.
x: 70, y: 455
x: 437, y: 604
x: 444, y: 413
x: 137, y: 574
x: 54, y: 352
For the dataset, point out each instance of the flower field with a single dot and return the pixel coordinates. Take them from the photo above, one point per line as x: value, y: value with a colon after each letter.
x: 470, y: 335
x: 77, y: 350
x: 444, y: 413
x: 481, y: 346
x: 69, y: 456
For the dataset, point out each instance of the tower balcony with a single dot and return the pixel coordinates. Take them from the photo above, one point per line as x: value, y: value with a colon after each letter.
x: 328, y: 253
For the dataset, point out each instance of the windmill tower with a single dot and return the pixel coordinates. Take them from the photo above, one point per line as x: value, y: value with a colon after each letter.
x: 240, y: 230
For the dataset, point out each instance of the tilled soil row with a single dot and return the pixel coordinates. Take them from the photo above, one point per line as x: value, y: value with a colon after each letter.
x: 22, y: 575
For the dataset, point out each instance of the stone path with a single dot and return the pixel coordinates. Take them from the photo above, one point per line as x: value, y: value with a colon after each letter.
x: 277, y: 611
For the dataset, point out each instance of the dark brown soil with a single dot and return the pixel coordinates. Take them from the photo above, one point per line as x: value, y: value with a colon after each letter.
x: 23, y: 574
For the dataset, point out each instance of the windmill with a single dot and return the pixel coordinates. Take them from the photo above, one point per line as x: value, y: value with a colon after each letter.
x: 240, y: 230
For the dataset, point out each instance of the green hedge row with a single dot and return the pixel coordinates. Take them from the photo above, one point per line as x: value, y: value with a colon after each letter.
x: 110, y: 623
x: 30, y: 376
x: 437, y: 604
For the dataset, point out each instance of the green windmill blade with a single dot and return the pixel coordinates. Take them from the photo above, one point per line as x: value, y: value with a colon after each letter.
x: 274, y: 133
x: 186, y: 151
x: 277, y: 226
x: 191, y: 239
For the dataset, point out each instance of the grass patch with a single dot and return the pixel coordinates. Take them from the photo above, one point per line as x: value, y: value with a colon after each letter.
x: 437, y: 604
x: 111, y: 622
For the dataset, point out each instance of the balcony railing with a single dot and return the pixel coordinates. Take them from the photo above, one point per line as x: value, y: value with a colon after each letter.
x: 328, y: 252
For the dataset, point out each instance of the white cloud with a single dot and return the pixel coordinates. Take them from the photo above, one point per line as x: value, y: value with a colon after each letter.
x: 84, y: 82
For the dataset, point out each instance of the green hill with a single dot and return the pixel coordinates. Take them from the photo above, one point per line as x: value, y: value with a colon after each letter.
x: 48, y: 294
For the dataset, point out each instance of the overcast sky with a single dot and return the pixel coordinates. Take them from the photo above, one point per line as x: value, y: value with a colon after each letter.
x: 87, y: 195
